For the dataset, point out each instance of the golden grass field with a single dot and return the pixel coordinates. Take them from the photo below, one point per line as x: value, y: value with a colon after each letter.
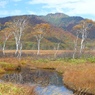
x: 15, y: 89
x: 78, y: 74
x: 42, y: 52
x: 49, y: 52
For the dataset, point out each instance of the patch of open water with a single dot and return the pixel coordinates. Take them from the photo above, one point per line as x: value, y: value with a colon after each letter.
x: 48, y: 82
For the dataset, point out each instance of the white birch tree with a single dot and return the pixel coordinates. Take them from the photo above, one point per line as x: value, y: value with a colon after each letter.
x: 18, y: 26
x: 82, y: 30
x: 40, y: 31
x: 6, y: 34
x: 77, y: 30
x: 56, y: 50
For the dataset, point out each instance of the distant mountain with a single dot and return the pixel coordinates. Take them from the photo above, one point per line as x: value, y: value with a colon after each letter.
x: 33, y: 19
x: 53, y: 18
x: 61, y: 20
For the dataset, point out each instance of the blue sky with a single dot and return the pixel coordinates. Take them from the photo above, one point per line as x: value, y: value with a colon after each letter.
x: 84, y: 8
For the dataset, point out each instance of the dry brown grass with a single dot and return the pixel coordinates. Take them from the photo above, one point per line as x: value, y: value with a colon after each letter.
x: 77, y: 76
x: 10, y: 60
x: 42, y: 52
x: 14, y: 89
x: 81, y: 78
x: 2, y: 71
x: 7, y: 64
x: 46, y: 51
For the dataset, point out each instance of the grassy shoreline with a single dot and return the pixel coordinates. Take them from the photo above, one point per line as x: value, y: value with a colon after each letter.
x: 78, y: 74
x: 15, y: 89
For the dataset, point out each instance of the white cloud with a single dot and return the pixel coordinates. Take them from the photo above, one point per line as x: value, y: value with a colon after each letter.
x: 71, y: 7
x: 16, y: 0
x: 49, y: 2
x: 3, y: 4
x: 85, y: 7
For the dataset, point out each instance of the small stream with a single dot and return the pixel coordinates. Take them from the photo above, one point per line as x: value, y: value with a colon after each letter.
x: 48, y: 82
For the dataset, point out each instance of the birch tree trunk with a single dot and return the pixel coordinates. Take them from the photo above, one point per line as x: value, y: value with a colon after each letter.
x: 16, y: 48
x: 84, y: 36
x: 4, y: 43
x: 3, y: 49
x: 55, y: 54
x: 39, y: 38
x: 20, y: 51
x: 38, y: 51
x: 75, y: 47
x: 81, y: 48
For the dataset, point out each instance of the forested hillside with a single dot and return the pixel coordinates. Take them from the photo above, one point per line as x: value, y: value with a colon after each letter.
x: 61, y: 31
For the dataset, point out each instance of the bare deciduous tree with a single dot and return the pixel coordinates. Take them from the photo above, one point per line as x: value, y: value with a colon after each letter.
x: 18, y: 26
x: 77, y: 29
x: 40, y: 30
x: 6, y: 34
x: 82, y: 29
x: 56, y: 50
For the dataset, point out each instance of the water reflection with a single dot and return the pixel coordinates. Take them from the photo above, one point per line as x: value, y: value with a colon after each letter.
x: 47, y: 81
x: 41, y: 77
x: 53, y: 90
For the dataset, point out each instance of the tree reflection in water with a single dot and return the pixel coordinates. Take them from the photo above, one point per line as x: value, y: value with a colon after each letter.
x: 40, y: 77
x: 48, y: 82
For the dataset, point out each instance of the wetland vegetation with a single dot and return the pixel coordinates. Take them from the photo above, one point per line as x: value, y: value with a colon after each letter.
x: 77, y: 74
x: 58, y: 60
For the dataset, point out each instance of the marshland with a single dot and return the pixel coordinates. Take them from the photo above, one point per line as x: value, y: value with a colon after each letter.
x: 39, y: 58
x: 38, y: 74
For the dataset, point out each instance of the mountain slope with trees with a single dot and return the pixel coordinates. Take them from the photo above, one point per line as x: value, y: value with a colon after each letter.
x: 61, y: 26
x: 61, y: 20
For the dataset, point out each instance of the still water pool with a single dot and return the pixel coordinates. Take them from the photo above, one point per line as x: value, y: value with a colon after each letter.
x: 48, y: 82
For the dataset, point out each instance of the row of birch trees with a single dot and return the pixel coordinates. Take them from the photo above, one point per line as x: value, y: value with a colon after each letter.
x: 16, y: 27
